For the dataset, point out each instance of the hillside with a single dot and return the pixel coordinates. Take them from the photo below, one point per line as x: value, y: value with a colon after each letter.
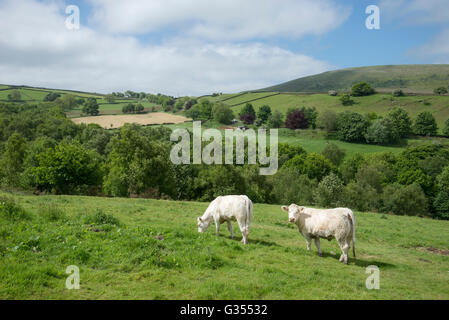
x: 410, y: 78
x: 154, y: 251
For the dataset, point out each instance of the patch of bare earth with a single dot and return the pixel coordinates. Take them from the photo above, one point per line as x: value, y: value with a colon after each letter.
x: 434, y: 250
x: 117, y: 121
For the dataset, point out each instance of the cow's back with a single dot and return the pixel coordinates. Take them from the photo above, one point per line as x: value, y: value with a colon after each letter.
x: 232, y: 207
x: 326, y: 223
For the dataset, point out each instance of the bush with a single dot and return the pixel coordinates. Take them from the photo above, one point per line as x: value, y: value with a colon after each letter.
x: 446, y: 128
x: 346, y: 100
x: 275, y: 120
x: 398, y: 93
x: 332, y: 93
x: 290, y: 186
x: 440, y: 90
x: 264, y: 113
x: 247, y: 114
x: 425, y: 124
x: 441, y: 205
x: 329, y: 191
x: 360, y: 197
x: 409, y: 200
x: 334, y: 154
x: 351, y: 127
x: 91, y: 107
x: 296, y: 119
x: 350, y: 167
x: 11, y: 210
x: 223, y: 113
x: 401, y: 121
x: 327, y: 120
x: 370, y: 175
x: 382, y: 131
x: 362, y: 89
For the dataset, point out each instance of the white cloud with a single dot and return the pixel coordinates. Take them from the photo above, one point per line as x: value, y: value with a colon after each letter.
x: 416, y: 11
x: 221, y: 19
x: 437, y: 49
x: 37, y: 49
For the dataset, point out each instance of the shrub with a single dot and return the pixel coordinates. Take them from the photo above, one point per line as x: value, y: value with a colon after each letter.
x: 401, y: 121
x: 334, y: 154
x: 350, y: 167
x: 398, y: 93
x: 332, y: 93
x: 264, y: 113
x: 275, y: 120
x: 290, y: 186
x: 329, y: 191
x: 425, y: 124
x: 223, y: 113
x: 296, y: 119
x: 360, y: 197
x: 404, y: 200
x: 362, y: 89
x: 11, y: 210
x: 91, y: 107
x: 446, y: 128
x: 351, y: 126
x: 247, y: 114
x: 382, y: 131
x: 327, y: 120
x: 346, y: 100
x: 370, y: 175
x: 440, y: 90
x: 316, y: 166
x: 441, y: 205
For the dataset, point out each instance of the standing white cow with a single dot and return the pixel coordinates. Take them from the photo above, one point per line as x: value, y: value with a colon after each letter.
x: 228, y: 208
x: 314, y: 224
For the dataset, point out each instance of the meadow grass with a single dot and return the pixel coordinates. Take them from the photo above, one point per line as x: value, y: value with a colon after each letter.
x: 150, y: 249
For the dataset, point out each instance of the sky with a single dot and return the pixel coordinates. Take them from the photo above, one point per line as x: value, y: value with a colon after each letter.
x: 196, y: 47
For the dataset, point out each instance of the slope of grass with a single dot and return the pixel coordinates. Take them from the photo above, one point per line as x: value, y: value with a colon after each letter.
x: 150, y: 249
x: 411, y: 78
x: 378, y: 103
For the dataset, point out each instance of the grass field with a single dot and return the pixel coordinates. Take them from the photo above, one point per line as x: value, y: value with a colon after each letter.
x: 150, y: 249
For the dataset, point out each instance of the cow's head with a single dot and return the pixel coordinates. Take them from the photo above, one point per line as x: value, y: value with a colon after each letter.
x: 202, y: 224
x: 293, y: 212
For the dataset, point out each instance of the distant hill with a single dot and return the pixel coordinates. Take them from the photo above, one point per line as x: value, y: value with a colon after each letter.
x: 409, y: 78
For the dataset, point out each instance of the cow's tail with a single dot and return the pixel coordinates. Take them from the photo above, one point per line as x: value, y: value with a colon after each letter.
x: 352, y: 221
x: 249, y: 214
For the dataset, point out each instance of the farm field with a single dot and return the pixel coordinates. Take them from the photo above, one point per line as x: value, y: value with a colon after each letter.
x: 116, y: 121
x: 150, y: 249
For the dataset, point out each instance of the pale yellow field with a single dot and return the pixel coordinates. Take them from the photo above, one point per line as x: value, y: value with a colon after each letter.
x: 116, y: 121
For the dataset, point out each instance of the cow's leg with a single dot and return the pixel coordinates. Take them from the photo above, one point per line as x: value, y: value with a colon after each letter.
x: 309, y: 242
x: 317, y: 243
x: 342, y: 251
x: 230, y: 229
x: 217, y: 227
x: 345, y: 251
x: 244, y: 230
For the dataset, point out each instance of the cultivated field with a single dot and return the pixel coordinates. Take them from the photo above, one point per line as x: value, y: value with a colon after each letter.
x: 116, y: 121
x: 150, y: 249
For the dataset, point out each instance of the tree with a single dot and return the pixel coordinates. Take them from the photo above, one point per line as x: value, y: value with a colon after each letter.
x: 398, y: 93
x: 334, y: 154
x: 223, y: 113
x: 290, y: 186
x: 296, y: 119
x: 11, y: 163
x: 346, y: 100
x: 14, y: 95
x: 440, y: 90
x: 382, y: 131
x: 351, y: 126
x: 409, y: 200
x: 329, y: 191
x: 129, y: 108
x: 311, y: 116
x: 139, y: 108
x: 110, y: 98
x: 275, y: 120
x: 247, y: 114
x: 52, y: 96
x: 91, y: 107
x: 401, y: 121
x: 68, y: 166
x: 327, y: 120
x: 425, y: 124
x: 446, y: 128
x: 263, y: 114
x: 314, y: 165
x: 67, y: 102
x: 361, y: 89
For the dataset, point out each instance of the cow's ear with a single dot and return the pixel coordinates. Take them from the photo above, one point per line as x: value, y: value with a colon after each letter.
x: 284, y: 208
x: 199, y: 219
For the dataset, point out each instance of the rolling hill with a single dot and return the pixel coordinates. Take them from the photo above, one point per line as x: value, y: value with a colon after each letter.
x: 410, y: 78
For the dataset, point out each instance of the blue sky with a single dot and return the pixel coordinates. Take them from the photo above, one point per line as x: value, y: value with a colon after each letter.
x: 196, y: 47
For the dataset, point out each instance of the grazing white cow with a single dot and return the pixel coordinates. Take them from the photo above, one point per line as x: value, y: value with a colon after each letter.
x: 314, y: 224
x: 228, y: 208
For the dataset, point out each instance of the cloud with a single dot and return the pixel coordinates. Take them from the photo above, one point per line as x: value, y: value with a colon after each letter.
x: 414, y: 12
x: 437, y: 49
x: 221, y: 20
x: 37, y: 49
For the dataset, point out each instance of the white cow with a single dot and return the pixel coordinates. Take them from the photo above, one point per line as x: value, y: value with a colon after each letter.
x: 228, y: 208
x: 314, y: 224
